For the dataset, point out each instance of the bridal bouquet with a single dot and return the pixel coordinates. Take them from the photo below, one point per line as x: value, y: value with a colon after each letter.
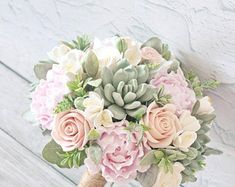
x: 126, y: 110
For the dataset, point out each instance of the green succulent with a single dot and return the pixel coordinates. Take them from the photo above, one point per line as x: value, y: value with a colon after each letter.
x: 125, y: 90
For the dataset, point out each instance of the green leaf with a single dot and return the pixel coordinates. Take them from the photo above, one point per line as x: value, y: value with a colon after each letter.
x: 195, y: 108
x: 95, y: 153
x: 121, y: 45
x: 158, y: 155
x: 93, y: 134
x: 153, y: 42
x: 41, y: 70
x: 149, y: 177
x: 206, y: 117
x: 50, y: 151
x: 95, y: 83
x: 64, y: 105
x: 210, y: 84
x: 78, y: 103
x: 212, y: 151
x: 91, y: 64
x: 148, y: 158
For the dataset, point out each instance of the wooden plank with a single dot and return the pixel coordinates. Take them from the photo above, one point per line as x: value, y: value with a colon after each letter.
x: 14, y: 101
x: 19, y: 167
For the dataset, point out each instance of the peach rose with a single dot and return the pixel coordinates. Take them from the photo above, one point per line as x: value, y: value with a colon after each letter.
x: 151, y: 54
x: 163, y: 125
x: 70, y: 130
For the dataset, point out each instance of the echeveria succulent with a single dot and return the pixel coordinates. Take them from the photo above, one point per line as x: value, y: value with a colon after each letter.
x: 125, y: 89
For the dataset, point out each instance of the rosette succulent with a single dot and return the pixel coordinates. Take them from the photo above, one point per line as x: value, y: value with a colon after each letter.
x: 125, y: 89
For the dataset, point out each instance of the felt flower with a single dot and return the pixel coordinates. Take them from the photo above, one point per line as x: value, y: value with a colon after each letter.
x: 47, y: 95
x: 121, y: 154
x: 94, y: 110
x: 176, y: 86
x: 58, y: 52
x: 170, y: 179
x: 205, y: 106
x: 163, y: 125
x: 151, y: 54
x: 70, y: 130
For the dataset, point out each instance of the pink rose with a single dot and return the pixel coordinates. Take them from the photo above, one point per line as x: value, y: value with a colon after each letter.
x: 47, y: 95
x: 121, y: 154
x: 176, y: 86
x: 163, y: 125
x: 151, y: 54
x: 70, y: 130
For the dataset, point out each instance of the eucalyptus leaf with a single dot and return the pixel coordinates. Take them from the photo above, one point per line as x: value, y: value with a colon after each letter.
x: 149, y: 177
x: 95, y: 153
x: 212, y: 151
x: 148, y: 159
x: 50, y: 154
x: 91, y: 64
x: 41, y: 70
x: 195, y: 108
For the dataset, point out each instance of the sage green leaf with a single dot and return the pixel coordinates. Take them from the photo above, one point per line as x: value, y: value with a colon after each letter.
x: 192, y: 153
x: 118, y: 112
x: 95, y: 83
x: 93, y: 134
x: 148, y: 94
x: 174, y: 66
x: 106, y: 76
x: 137, y: 112
x: 95, y: 153
x: 132, y: 105
x: 158, y: 155
x: 50, y: 154
x: 108, y: 90
x: 129, y: 97
x: 188, y: 178
x: 119, y: 76
x: 203, y: 139
x: 41, y: 70
x: 78, y: 103
x: 149, y: 177
x: 212, y: 151
x: 206, y: 117
x: 155, y: 43
x: 148, y: 159
x: 204, y: 129
x: 118, y: 99
x: 143, y: 73
x: 142, y: 88
x: 195, y: 108
x: 121, y: 45
x: 91, y: 64
x: 120, y: 87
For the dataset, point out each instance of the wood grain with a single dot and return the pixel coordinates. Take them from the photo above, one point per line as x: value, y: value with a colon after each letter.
x: 14, y: 101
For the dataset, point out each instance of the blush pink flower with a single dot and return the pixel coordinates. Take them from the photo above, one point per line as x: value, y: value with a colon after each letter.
x: 176, y: 86
x: 70, y: 130
x: 163, y: 125
x: 121, y: 154
x: 47, y: 95
x: 151, y: 54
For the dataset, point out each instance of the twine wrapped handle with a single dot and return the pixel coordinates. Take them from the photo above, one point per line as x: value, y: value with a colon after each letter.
x: 89, y: 180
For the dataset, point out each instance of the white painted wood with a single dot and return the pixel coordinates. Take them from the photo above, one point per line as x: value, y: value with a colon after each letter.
x: 14, y: 101
x: 202, y: 33
x: 20, y: 168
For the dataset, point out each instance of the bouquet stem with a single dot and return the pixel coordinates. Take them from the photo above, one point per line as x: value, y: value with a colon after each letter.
x: 89, y: 180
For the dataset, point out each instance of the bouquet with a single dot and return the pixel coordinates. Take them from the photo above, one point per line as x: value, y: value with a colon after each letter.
x: 126, y: 110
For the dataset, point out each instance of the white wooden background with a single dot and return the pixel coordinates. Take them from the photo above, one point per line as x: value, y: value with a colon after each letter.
x: 202, y: 33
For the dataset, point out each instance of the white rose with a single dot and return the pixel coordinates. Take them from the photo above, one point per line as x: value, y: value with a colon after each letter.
x: 170, y: 179
x: 94, y: 110
x: 72, y: 62
x: 205, y: 106
x: 58, y: 52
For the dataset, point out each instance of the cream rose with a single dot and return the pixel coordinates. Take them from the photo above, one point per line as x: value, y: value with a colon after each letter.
x: 70, y: 130
x: 58, y: 52
x: 163, y: 124
x: 205, y: 106
x: 170, y: 179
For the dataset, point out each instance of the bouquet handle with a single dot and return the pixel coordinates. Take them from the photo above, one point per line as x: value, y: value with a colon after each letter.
x: 91, y: 180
